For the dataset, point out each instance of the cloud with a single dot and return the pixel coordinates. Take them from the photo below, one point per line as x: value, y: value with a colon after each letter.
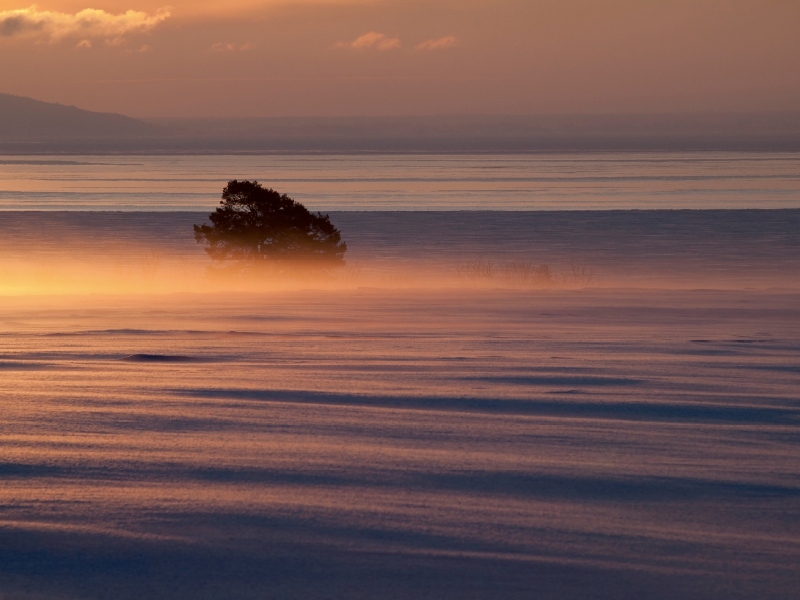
x: 373, y: 39
x: 222, y: 47
x: 88, y: 23
x: 445, y: 42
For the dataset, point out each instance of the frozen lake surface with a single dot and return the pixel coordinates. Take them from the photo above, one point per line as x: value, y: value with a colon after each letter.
x: 413, y: 429
x: 401, y: 444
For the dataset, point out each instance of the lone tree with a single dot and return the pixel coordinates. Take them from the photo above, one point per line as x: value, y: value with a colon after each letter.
x: 258, y: 227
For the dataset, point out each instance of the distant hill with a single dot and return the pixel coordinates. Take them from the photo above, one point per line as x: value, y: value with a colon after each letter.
x: 31, y: 126
x: 28, y: 120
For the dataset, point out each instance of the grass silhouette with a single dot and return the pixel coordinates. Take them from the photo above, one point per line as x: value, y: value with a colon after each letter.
x: 521, y: 273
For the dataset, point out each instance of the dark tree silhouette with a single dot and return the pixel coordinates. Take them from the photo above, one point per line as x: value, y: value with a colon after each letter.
x: 257, y: 226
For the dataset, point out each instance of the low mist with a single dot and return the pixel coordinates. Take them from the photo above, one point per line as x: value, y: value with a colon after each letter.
x: 154, y: 272
x: 144, y: 253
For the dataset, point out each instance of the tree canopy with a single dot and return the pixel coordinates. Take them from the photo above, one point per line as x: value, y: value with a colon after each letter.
x: 258, y: 226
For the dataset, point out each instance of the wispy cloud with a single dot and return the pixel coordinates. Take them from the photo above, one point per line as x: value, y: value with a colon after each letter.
x: 86, y: 24
x: 223, y: 47
x: 444, y: 42
x: 373, y: 39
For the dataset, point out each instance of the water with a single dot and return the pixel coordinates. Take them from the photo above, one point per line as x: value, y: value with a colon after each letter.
x: 589, y: 181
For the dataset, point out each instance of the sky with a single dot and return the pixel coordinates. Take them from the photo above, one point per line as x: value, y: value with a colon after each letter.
x: 262, y: 58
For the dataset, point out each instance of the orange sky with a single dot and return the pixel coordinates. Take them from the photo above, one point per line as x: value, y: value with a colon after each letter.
x: 390, y: 57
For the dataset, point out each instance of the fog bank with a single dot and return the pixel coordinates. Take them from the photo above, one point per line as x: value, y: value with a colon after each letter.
x: 86, y: 252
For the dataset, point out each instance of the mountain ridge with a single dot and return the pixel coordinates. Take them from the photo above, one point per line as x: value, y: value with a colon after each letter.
x: 27, y: 119
x: 29, y: 126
